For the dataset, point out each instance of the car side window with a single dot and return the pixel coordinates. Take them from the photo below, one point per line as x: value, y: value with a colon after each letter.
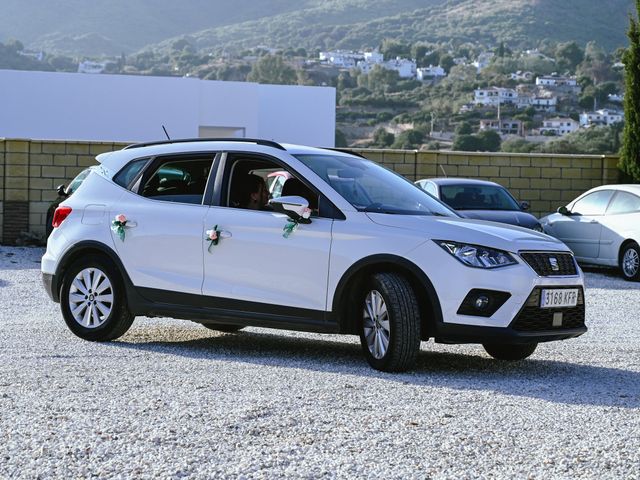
x: 593, y: 204
x: 624, y: 202
x: 251, y: 182
x: 125, y: 176
x: 182, y: 181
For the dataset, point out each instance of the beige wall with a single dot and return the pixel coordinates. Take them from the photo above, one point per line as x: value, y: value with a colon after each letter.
x: 546, y: 181
x: 30, y: 170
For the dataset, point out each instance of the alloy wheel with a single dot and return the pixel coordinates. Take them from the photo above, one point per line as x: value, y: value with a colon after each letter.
x: 376, y: 324
x: 630, y: 262
x: 91, y: 298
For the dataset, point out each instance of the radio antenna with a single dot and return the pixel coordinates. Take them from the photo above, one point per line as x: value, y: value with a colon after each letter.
x: 165, y: 132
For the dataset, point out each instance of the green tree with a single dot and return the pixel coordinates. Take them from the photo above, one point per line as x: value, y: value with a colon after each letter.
x: 569, y: 55
x: 391, y: 49
x: 340, y: 139
x: 630, y: 153
x: 408, y: 139
x: 382, y: 138
x: 490, y: 140
x: 467, y: 143
x: 272, y: 69
x: 464, y: 128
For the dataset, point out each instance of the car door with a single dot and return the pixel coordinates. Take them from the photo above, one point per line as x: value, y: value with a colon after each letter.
x: 255, y: 265
x: 162, y: 247
x: 622, y: 215
x: 581, y: 229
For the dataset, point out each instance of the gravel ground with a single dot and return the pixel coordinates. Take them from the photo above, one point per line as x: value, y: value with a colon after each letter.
x: 172, y: 399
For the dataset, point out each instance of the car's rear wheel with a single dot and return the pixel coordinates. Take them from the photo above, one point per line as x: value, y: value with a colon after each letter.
x: 93, y: 300
x: 510, y: 352
x: 223, y: 327
x: 630, y: 261
x: 390, y: 330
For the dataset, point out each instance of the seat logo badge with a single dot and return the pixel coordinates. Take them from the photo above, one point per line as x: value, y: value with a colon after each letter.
x: 553, y: 261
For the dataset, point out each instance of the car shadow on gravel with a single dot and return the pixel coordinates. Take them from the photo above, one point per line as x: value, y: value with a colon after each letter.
x: 550, y: 380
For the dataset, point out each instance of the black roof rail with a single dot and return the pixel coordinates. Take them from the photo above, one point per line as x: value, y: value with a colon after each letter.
x: 345, y: 150
x: 266, y: 143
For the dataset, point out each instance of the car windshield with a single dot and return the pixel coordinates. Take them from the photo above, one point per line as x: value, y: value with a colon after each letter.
x: 477, y: 197
x: 370, y: 187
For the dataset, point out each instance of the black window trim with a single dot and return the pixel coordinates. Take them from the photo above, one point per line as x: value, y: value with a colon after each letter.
x: 155, y: 161
x: 226, y: 161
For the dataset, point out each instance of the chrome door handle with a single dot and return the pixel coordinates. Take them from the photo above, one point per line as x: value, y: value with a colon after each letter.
x: 225, y: 234
x: 130, y: 224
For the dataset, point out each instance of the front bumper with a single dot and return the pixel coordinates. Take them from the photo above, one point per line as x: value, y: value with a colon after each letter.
x: 532, y: 324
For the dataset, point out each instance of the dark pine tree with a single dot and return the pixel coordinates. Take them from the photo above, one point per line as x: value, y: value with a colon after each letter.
x: 630, y: 152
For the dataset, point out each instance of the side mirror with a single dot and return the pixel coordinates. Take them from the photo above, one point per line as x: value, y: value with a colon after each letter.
x: 295, y: 207
x: 524, y: 205
x: 564, y: 211
x: 62, y: 191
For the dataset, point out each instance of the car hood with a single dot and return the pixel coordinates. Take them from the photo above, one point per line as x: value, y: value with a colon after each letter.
x: 478, y: 232
x: 512, y: 217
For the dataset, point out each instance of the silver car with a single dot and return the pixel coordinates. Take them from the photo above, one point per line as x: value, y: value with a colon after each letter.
x: 602, y: 227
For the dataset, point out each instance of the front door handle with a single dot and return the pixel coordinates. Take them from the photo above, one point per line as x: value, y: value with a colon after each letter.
x: 225, y: 234
x: 130, y: 224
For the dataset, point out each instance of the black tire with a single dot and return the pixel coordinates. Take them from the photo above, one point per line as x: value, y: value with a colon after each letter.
x: 223, y: 327
x: 402, y: 317
x: 629, y: 262
x: 119, y: 318
x: 510, y: 352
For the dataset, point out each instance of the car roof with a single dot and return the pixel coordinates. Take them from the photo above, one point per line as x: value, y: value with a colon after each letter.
x: 461, y: 181
x: 117, y: 159
x: 625, y: 187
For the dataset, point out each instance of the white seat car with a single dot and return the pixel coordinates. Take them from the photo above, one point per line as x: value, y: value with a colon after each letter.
x: 602, y: 227
x: 180, y: 229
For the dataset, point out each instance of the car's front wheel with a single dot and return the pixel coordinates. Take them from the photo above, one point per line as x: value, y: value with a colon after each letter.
x: 390, y: 329
x: 510, y: 352
x: 630, y: 261
x: 93, y: 300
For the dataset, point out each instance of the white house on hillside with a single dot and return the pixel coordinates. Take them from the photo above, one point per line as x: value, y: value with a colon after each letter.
x: 600, y: 117
x: 430, y: 73
x: 91, y: 67
x: 494, y: 96
x: 556, y: 81
x: 483, y: 61
x: 559, y: 126
x: 505, y: 126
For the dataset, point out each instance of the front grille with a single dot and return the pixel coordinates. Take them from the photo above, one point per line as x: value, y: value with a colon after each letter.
x: 551, y: 264
x: 532, y: 318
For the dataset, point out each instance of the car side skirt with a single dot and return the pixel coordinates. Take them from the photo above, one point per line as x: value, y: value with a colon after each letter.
x: 206, y: 309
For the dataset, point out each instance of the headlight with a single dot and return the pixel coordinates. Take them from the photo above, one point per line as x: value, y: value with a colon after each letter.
x: 477, y: 256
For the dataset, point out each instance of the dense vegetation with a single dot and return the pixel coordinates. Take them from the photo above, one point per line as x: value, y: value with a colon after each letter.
x: 78, y: 27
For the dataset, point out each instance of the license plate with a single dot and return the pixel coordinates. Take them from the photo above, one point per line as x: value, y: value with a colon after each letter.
x: 559, y: 298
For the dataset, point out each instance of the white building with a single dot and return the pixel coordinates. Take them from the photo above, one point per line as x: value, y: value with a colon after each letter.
x: 556, y: 81
x: 544, y: 104
x: 342, y: 59
x: 430, y: 73
x: 612, y: 97
x: 405, y: 68
x: 522, y: 76
x: 505, y: 126
x: 600, y: 117
x: 124, y: 108
x: 483, y: 61
x: 559, y: 126
x: 373, y: 57
x: 495, y: 96
x: 91, y: 67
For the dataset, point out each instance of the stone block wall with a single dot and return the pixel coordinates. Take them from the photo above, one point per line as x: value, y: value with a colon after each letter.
x: 545, y: 181
x: 30, y: 171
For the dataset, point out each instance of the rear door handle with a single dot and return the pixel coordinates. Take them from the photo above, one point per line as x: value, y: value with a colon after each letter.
x: 225, y: 234
x: 130, y: 224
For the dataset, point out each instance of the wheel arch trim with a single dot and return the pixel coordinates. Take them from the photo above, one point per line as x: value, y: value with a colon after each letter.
x: 384, y: 260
